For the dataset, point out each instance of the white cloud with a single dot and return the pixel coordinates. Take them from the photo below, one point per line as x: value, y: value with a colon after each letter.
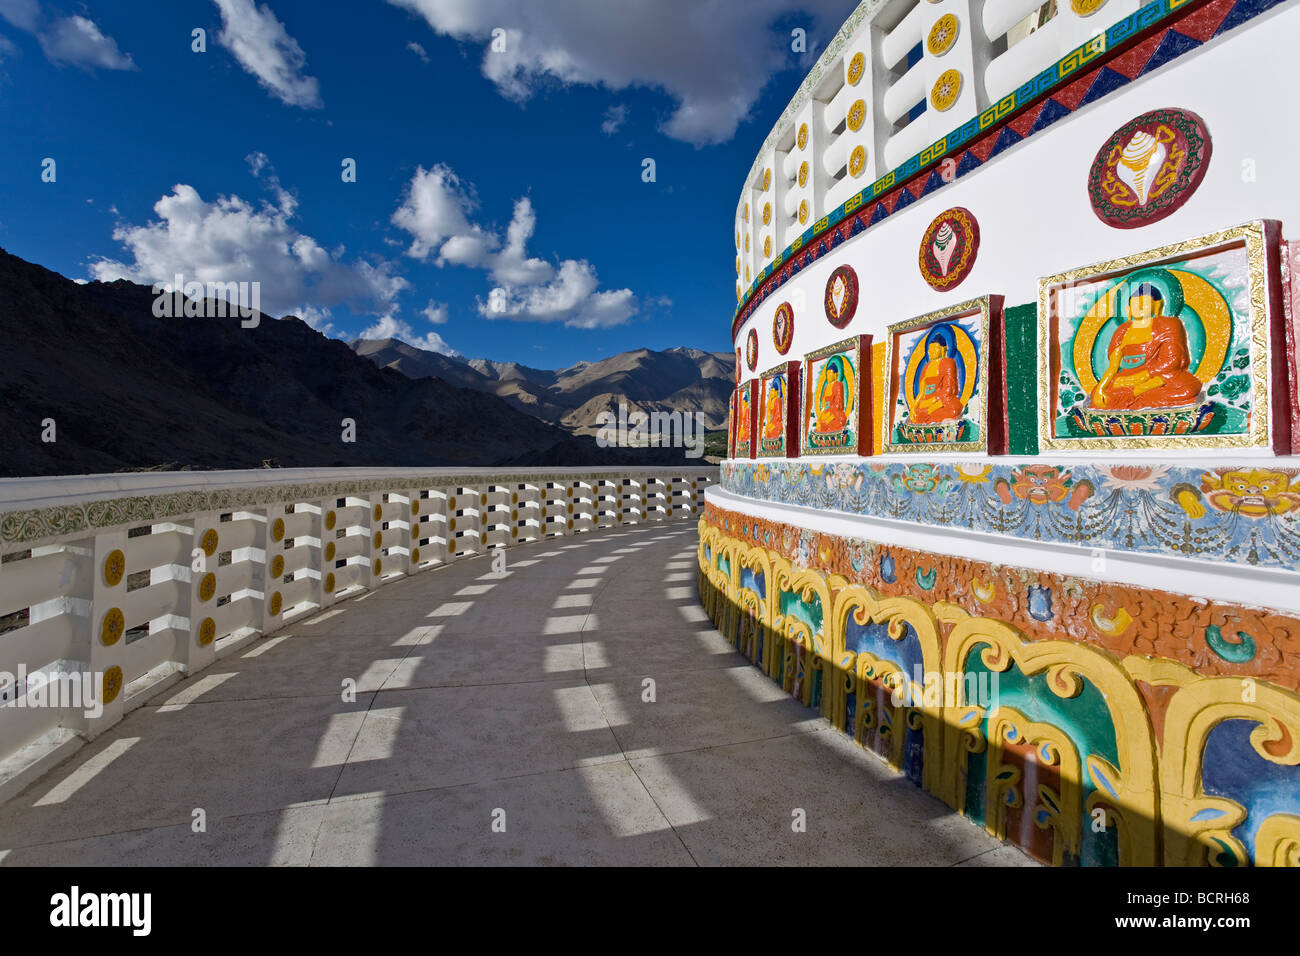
x: 615, y: 117
x: 418, y: 51
x: 435, y: 312
x: 7, y: 48
x: 24, y: 14
x: 76, y: 41
x: 67, y: 41
x: 388, y: 327
x: 712, y: 57
x: 437, y: 212
x: 233, y: 240
x: 265, y: 50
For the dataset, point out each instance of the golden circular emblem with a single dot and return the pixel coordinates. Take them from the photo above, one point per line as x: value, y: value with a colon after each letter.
x: 329, y: 583
x: 482, y: 499
x: 767, y: 179
x: 379, y: 537
x: 379, y: 566
x: 114, y: 568
x: 277, y: 530
x: 451, y: 502
x: 803, y: 173
x: 747, y: 249
x: 803, y: 211
x: 737, y: 240
x: 112, y: 684
x: 570, y: 508
x: 857, y: 66
x: 514, y: 498
x: 803, y: 136
x: 114, y: 626
x: 767, y: 213
x: 207, y: 587
x: 415, y: 506
x: 482, y: 537
x: 207, y: 631
x: 942, y: 35
x: 209, y: 542
x: 330, y: 519
x: 767, y: 248
x: 277, y: 566
x: 451, y: 525
x: 1086, y: 8
x: 737, y: 265
x: 746, y: 212
x: 329, y: 551
x: 514, y: 532
x: 746, y: 273
x: 570, y: 522
x: 946, y: 90
x: 277, y: 602
x: 415, y: 555
x: 857, y: 113
x: 857, y: 161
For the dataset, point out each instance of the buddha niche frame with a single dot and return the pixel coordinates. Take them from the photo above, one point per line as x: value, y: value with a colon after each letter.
x: 972, y: 334
x: 855, y: 438
x: 1236, y: 348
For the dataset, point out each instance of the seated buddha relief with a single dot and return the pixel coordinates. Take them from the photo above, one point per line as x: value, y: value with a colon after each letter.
x: 1148, y: 359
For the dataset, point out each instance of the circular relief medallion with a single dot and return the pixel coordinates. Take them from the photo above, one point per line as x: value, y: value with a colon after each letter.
x: 767, y: 179
x: 857, y: 161
x: 1148, y: 168
x: 857, y: 113
x: 803, y: 173
x: 737, y: 265
x: 803, y: 211
x: 207, y: 631
x: 857, y: 66
x: 946, y: 90
x: 746, y: 273
x: 1086, y: 8
x: 767, y: 213
x: 948, y: 248
x: 746, y: 212
x: 841, y: 296
x: 944, y: 34
x: 803, y: 136
x: 783, y: 328
x: 114, y: 568
x: 111, y: 685
x: 751, y: 349
x: 767, y: 248
x: 739, y: 295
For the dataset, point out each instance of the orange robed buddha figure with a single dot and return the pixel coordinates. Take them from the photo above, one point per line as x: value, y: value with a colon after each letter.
x: 938, y: 397
x: 774, y: 426
x: 742, y: 424
x: 1148, y: 359
x: 831, y: 416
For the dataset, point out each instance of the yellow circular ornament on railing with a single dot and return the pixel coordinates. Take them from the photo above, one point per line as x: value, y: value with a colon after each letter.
x: 451, y: 525
x: 329, y: 583
x: 415, y: 555
x: 114, y: 626
x: 767, y: 248
x: 379, y: 538
x: 857, y: 161
x: 857, y: 66
x: 767, y: 179
x: 209, y: 542
x: 1086, y: 8
x: 482, y: 499
x: 330, y: 520
x: 803, y: 211
x: 329, y: 551
x: 207, y: 587
x: 415, y: 506
x: 767, y: 213
x: 857, y: 113
x: 451, y: 502
x: 114, y: 568
x: 207, y: 632
x: 277, y: 566
x: 277, y: 602
x: 112, y: 685
x: 746, y: 212
x: 277, y: 530
x: 943, y: 35
x: 803, y: 173
x: 946, y: 90
x: 379, y: 511
x: 803, y: 136
x: 378, y: 566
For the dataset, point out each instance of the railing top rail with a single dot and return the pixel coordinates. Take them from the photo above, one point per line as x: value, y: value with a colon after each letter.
x: 33, y: 510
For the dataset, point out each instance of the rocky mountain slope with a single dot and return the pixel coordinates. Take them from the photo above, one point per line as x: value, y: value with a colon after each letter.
x: 680, y: 379
x: 126, y: 390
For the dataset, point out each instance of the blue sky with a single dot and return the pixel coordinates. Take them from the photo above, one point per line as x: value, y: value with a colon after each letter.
x: 498, y: 208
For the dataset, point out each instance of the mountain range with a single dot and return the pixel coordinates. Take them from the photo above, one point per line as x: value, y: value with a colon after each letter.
x: 675, y: 380
x: 92, y: 381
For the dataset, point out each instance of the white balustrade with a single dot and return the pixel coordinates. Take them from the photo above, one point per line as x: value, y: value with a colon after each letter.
x: 138, y: 580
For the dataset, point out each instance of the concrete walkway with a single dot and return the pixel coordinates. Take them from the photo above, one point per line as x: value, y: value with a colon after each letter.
x: 481, y: 697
